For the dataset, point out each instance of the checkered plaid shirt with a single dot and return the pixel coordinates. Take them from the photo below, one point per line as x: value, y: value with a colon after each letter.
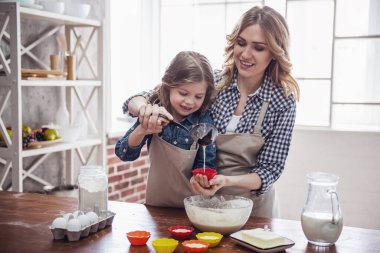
x: 276, y: 130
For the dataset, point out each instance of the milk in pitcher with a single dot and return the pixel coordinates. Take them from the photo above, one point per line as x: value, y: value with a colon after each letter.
x: 319, y: 229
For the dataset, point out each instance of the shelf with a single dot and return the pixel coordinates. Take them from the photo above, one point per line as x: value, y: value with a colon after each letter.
x: 62, y: 146
x: 57, y: 18
x: 89, y: 49
x: 49, y: 83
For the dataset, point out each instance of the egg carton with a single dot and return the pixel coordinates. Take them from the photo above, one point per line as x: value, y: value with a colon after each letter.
x: 60, y: 233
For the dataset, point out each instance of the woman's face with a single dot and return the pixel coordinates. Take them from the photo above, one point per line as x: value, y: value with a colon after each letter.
x: 251, y: 52
x: 187, y: 98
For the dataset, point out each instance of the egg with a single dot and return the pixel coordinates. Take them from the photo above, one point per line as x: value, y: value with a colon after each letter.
x: 59, y: 223
x: 93, y: 217
x: 77, y: 213
x: 68, y: 216
x: 84, y: 220
x: 74, y: 225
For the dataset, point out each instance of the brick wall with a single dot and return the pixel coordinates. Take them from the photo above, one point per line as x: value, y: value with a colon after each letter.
x: 126, y: 180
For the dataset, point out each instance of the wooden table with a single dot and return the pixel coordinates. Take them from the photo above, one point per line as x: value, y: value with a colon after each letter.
x: 25, y: 220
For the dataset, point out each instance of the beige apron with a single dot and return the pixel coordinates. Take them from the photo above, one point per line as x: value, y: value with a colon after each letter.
x: 236, y: 154
x: 169, y: 174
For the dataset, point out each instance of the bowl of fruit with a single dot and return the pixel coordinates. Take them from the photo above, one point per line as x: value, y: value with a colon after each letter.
x: 34, y: 138
x: 40, y: 137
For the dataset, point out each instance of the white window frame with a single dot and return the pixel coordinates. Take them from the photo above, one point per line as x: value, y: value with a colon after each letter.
x: 331, y: 79
x: 151, y: 55
x: 148, y: 64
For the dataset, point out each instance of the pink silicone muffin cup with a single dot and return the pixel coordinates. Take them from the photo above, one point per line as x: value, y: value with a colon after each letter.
x: 181, y: 232
x: 210, y: 173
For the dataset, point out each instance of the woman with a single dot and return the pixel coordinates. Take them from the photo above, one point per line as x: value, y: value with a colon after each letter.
x: 254, y: 111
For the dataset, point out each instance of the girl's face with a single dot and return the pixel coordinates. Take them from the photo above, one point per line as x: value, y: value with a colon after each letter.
x: 187, y: 98
x: 251, y: 53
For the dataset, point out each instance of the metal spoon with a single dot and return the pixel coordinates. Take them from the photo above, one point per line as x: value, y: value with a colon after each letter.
x: 204, y: 133
x: 179, y: 124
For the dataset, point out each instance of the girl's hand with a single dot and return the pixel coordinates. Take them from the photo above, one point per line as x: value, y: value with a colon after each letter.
x: 138, y: 134
x: 150, y: 117
x: 214, y: 185
x: 202, y: 180
x: 146, y: 131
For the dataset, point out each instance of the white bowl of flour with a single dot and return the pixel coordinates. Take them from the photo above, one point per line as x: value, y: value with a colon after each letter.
x: 223, y: 214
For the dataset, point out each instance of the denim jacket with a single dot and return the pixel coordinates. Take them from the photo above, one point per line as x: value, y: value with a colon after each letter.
x: 174, y: 134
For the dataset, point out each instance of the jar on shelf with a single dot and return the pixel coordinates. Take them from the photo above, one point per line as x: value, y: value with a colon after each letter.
x: 93, y: 189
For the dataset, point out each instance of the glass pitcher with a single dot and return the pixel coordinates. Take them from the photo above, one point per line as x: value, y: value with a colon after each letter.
x: 321, y: 217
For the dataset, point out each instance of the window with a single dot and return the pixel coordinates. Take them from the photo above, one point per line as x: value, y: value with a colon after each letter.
x: 335, y: 54
x: 131, y: 47
x: 199, y: 25
x: 335, y: 57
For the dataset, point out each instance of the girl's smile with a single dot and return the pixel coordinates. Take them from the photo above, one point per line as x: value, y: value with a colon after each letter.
x: 186, y: 99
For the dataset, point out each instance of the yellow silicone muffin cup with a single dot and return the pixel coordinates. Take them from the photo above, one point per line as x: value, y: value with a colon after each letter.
x: 212, y: 241
x: 165, y: 245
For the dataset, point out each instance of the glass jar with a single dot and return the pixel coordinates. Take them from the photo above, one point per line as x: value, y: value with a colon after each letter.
x: 93, y: 189
x: 321, y: 217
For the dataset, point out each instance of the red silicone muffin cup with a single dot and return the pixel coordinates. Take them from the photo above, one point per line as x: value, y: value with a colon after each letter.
x: 138, y: 238
x: 210, y: 173
x: 176, y: 233
x: 189, y: 246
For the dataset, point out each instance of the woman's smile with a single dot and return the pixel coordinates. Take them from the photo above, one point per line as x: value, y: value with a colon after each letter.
x: 245, y: 64
x: 251, y: 54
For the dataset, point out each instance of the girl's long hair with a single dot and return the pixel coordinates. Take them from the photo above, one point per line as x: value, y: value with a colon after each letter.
x: 186, y: 67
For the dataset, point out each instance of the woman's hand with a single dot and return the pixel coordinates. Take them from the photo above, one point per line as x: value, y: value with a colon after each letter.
x: 154, y: 117
x: 201, y: 185
x: 219, y: 180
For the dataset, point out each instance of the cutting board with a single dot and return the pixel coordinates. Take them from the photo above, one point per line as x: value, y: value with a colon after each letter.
x: 42, y: 72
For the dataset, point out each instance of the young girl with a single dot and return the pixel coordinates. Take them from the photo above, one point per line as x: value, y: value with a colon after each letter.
x: 185, y: 92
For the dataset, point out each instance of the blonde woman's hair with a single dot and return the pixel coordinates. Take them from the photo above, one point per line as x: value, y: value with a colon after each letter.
x: 186, y: 67
x: 276, y: 33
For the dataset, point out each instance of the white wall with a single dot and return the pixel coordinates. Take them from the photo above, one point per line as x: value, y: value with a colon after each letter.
x: 353, y: 156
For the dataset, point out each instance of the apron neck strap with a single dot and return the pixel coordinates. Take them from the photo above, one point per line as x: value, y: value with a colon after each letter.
x: 264, y: 107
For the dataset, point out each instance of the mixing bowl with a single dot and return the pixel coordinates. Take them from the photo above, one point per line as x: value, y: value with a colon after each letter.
x: 223, y: 214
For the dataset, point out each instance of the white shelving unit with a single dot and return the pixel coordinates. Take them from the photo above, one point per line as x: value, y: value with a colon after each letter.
x: 13, y: 154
